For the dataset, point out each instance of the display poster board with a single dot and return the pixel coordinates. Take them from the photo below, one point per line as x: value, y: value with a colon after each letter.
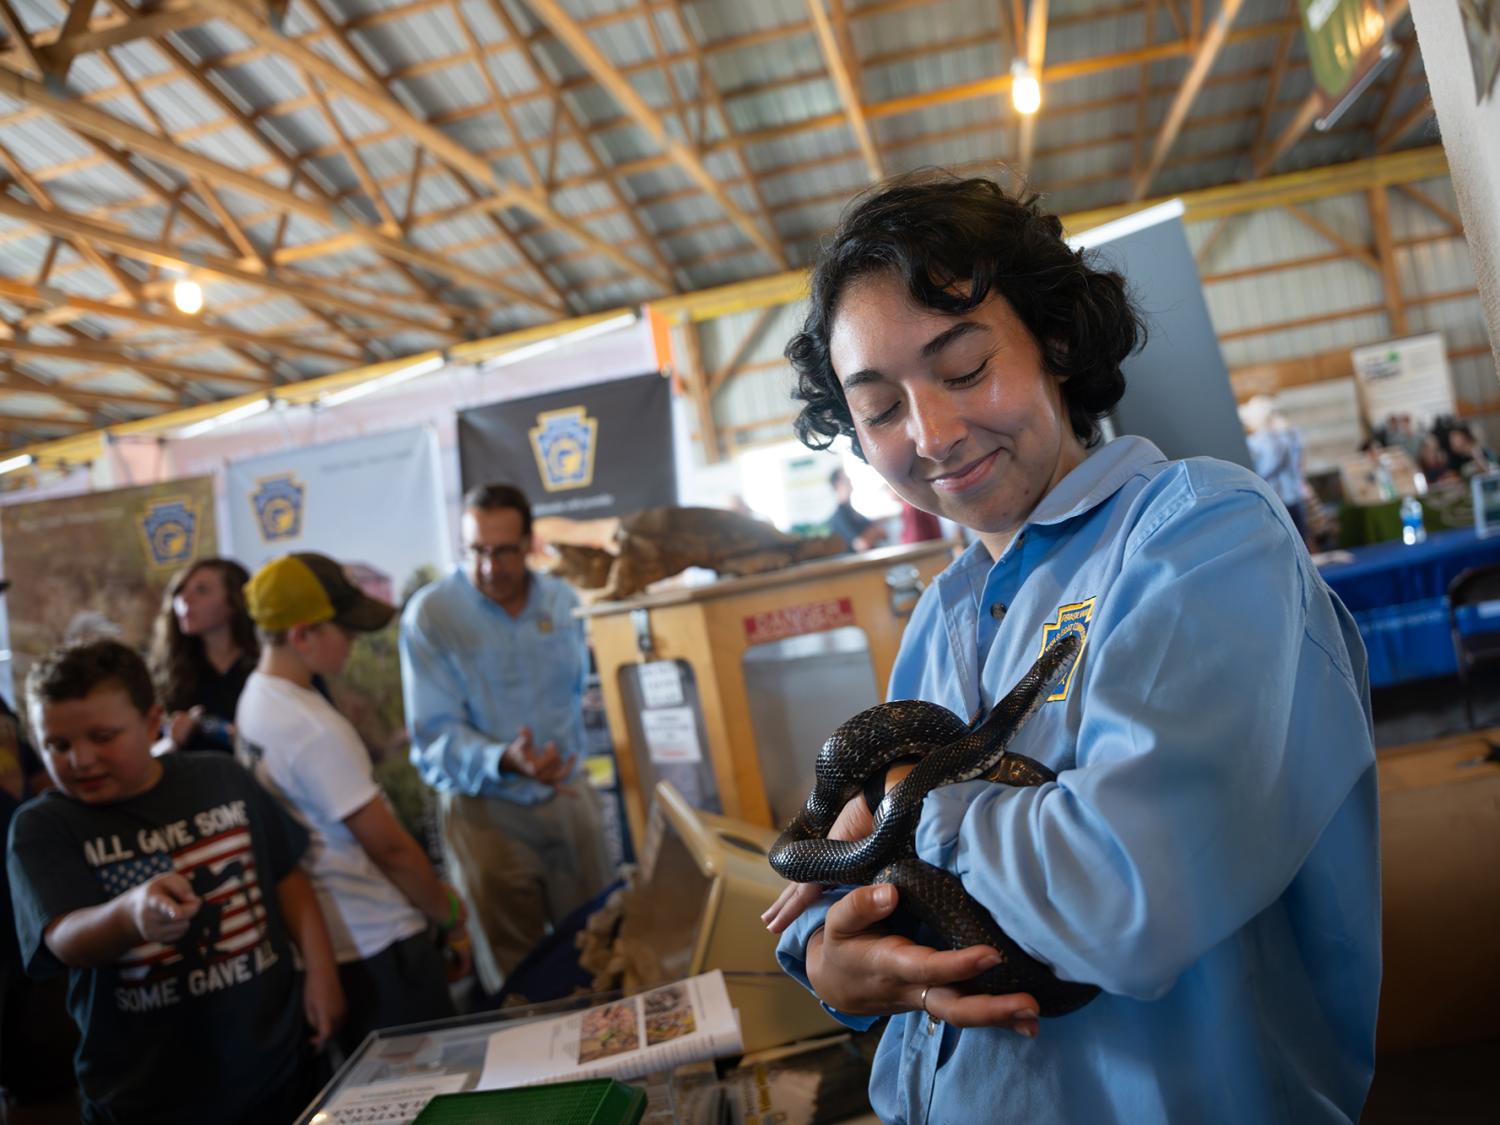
x: 96, y: 564
x: 1177, y: 391
x: 598, y: 450
x: 373, y: 503
x: 1408, y: 376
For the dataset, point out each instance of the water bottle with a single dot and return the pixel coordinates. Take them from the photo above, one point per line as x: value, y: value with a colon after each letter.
x: 1384, y: 482
x: 1413, y: 530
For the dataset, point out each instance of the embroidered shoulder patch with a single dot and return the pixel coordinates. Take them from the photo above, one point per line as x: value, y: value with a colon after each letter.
x: 1070, y: 619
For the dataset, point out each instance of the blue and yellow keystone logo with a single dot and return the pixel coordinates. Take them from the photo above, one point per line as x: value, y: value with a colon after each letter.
x: 1070, y: 619
x: 170, y: 530
x: 564, y: 444
x: 278, y: 502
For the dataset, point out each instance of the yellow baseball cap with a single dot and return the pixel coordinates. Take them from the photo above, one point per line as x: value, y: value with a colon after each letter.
x: 307, y: 589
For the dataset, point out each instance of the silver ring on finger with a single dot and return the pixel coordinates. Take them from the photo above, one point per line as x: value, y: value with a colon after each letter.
x: 932, y: 1020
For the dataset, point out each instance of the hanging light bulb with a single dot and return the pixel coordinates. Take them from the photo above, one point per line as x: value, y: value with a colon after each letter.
x: 1025, y: 89
x: 187, y: 295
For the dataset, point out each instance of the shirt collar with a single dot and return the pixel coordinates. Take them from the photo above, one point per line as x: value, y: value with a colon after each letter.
x: 1102, y: 474
x: 533, y: 595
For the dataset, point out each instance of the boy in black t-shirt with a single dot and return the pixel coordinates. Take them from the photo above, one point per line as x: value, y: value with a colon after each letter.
x: 168, y: 888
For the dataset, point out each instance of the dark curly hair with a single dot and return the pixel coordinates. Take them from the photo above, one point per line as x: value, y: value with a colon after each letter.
x: 953, y: 242
x: 73, y: 671
x: 177, y: 661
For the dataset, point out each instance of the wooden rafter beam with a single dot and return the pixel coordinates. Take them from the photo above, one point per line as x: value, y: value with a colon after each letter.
x: 352, y: 52
x: 1203, y: 61
x: 1380, y: 226
x: 711, y: 98
x: 1059, y: 72
x: 1209, y: 244
x: 848, y: 89
x: 46, y: 297
x: 1291, y: 133
x: 17, y: 381
x: 234, y: 113
x: 68, y: 225
x: 64, y: 46
x: 718, y: 378
x: 697, y: 387
x: 1421, y: 198
x: 1394, y: 86
x: 16, y: 32
x: 989, y: 87
x: 79, y: 353
x: 1360, y: 254
x: 551, y: 13
x: 74, y: 27
x: 1419, y: 112
x: 246, y: 20
x: 31, y: 423
x: 112, y: 130
x: 1206, y: 203
x: 1143, y: 95
x: 563, y: 116
x: 1278, y: 74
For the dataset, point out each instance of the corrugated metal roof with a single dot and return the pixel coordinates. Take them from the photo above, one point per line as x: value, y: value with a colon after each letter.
x: 768, y: 66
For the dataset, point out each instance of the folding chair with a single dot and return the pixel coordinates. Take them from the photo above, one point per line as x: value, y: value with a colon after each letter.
x: 1474, y: 646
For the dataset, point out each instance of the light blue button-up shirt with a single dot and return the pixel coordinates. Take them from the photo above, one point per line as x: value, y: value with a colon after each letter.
x: 472, y: 675
x: 1209, y: 852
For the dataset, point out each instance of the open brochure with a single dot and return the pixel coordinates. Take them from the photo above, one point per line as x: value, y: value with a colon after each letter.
x: 678, y: 1023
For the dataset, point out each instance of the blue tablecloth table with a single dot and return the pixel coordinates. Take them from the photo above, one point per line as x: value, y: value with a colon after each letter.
x: 1398, y: 595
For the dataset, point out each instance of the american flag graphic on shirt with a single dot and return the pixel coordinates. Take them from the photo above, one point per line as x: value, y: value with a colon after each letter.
x: 231, y: 921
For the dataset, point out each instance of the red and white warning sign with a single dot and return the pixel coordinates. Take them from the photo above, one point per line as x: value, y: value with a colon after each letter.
x: 815, y: 617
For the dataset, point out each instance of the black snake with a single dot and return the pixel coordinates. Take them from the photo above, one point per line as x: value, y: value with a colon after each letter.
x: 950, y: 752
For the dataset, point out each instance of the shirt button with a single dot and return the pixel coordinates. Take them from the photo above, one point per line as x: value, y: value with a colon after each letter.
x: 997, y: 611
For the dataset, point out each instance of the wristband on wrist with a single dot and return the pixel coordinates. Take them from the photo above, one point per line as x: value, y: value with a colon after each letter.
x: 454, y: 907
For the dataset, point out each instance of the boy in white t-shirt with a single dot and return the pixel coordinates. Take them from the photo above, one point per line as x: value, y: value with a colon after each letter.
x: 375, y: 884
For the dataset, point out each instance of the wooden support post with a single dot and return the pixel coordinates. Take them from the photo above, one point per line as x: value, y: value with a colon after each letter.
x: 697, y: 386
x: 1380, y: 223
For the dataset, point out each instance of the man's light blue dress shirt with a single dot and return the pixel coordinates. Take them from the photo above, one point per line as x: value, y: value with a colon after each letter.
x: 472, y: 675
x: 1209, y: 852
x: 1277, y: 457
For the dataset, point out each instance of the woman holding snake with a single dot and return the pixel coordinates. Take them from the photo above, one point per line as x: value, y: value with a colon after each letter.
x: 1208, y: 853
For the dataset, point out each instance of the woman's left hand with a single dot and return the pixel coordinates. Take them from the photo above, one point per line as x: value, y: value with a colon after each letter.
x: 855, y: 822
x: 181, y: 725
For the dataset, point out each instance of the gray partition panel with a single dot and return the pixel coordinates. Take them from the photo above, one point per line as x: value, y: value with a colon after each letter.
x: 1177, y: 390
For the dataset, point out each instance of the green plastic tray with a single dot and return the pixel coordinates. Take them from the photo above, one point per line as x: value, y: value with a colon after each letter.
x: 595, y: 1101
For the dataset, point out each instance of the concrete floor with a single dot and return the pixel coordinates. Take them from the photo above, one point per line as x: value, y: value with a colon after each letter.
x: 1452, y: 1085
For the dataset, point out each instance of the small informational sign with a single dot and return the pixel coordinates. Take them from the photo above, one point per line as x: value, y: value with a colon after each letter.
x: 671, y: 734
x: 1486, y: 492
x: 794, y: 620
x: 661, y: 684
x: 389, y: 1103
x: 1407, y: 376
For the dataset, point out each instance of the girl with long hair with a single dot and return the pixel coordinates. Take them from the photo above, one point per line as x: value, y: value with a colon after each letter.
x: 202, y: 650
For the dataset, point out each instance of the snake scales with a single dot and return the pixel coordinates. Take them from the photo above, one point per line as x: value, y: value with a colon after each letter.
x: 949, y: 752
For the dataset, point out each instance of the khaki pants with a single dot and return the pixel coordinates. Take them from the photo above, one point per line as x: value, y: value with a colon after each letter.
x: 521, y: 869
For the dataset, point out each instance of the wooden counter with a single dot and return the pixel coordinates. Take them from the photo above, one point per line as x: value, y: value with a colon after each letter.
x: 711, y: 627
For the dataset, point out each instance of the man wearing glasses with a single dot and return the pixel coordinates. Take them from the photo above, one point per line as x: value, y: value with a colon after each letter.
x: 493, y: 666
